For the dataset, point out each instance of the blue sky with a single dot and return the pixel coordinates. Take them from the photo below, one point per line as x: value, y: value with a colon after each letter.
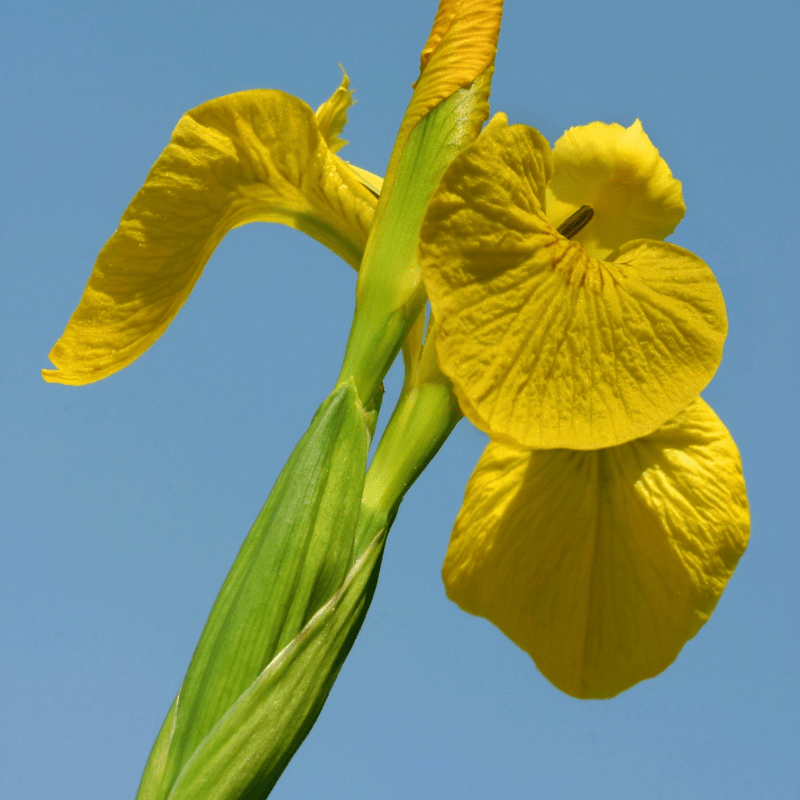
x: 122, y: 504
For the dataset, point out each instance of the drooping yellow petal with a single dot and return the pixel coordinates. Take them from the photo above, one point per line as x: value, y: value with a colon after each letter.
x: 620, y: 174
x: 547, y: 347
x: 460, y: 48
x: 602, y: 564
x: 332, y: 115
x: 251, y: 156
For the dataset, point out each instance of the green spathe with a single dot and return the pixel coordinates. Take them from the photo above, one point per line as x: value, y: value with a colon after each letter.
x: 248, y: 750
x: 390, y: 294
x: 295, y: 559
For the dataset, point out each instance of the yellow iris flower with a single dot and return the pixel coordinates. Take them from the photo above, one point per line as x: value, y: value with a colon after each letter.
x: 600, y: 560
x: 604, y: 519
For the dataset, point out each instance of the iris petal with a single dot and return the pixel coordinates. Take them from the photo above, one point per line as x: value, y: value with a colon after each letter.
x: 602, y: 564
x: 620, y: 174
x: 546, y: 346
x: 251, y: 156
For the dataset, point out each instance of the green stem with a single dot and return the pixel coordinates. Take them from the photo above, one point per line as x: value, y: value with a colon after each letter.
x: 390, y: 293
x: 424, y: 417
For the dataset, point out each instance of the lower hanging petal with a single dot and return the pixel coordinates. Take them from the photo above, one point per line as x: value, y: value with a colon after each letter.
x: 602, y: 564
x: 250, y: 156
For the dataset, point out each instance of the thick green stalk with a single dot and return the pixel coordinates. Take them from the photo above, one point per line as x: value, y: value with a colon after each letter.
x: 390, y: 294
x: 424, y: 417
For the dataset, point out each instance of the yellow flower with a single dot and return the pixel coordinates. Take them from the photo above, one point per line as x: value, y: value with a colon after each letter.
x: 550, y: 341
x: 563, y: 328
x: 602, y: 564
x: 259, y: 155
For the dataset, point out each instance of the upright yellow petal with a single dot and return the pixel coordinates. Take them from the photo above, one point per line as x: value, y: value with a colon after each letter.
x: 251, y: 156
x: 601, y: 565
x: 546, y: 346
x: 620, y: 174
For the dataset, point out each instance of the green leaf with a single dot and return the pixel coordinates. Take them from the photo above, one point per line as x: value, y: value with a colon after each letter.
x: 246, y: 752
x: 153, y: 782
x: 295, y: 558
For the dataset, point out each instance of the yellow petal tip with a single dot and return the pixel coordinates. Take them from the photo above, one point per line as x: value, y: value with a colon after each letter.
x: 332, y: 114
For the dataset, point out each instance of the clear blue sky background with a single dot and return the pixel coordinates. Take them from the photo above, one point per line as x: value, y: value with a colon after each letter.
x: 124, y: 503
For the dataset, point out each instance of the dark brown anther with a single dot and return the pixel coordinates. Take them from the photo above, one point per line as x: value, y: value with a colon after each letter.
x: 576, y: 222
